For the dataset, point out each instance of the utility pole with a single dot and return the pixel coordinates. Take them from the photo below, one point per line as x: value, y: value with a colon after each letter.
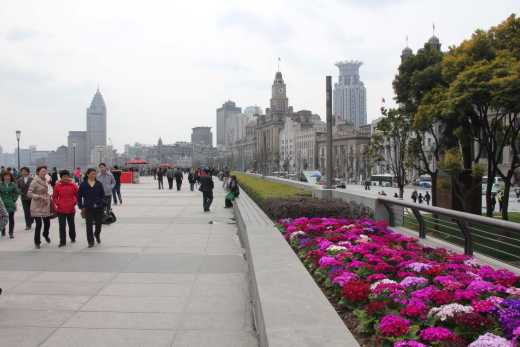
x: 328, y: 87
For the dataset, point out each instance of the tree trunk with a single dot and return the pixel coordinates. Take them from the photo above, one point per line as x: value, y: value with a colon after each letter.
x: 489, y: 187
x: 505, y: 199
x: 434, y: 188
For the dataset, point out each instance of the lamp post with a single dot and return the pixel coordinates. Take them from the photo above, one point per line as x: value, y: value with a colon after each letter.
x: 18, y: 134
x: 328, y: 87
x: 74, y: 156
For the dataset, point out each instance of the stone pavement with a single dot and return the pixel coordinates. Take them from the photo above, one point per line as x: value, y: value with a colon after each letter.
x: 162, y: 276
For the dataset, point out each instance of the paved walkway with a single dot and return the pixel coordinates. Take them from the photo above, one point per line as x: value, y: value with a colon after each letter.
x: 163, y: 276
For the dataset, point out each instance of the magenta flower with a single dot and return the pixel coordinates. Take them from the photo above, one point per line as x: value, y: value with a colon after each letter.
x: 393, y: 325
x: 409, y: 343
x: 436, y: 334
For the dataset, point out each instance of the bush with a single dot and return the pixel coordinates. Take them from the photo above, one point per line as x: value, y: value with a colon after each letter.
x: 260, y: 189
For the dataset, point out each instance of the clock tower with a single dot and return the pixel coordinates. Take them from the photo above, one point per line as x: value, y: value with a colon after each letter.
x: 279, y: 100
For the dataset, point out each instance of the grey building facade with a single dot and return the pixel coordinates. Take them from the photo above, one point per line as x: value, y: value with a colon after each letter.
x: 350, y: 100
x: 228, y: 110
x: 96, y: 125
x: 202, y: 136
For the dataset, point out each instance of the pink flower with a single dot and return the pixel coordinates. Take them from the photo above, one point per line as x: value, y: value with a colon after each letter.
x: 394, y: 325
x: 436, y: 334
x: 328, y: 261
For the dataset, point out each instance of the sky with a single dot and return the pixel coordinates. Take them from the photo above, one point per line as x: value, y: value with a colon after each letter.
x: 164, y: 67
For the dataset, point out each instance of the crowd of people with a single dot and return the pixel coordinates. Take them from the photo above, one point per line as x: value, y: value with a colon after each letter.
x: 419, y: 197
x: 201, y: 179
x: 58, y: 194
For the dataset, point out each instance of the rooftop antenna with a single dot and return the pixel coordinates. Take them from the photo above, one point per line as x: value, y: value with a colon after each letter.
x: 98, y: 87
x: 406, y: 40
x: 433, y: 29
x: 279, y: 60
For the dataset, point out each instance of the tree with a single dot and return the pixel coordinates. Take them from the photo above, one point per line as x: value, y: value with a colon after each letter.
x: 393, y: 132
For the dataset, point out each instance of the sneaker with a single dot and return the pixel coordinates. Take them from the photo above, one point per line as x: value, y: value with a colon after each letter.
x: 98, y: 238
x: 27, y: 228
x: 90, y: 245
x: 73, y: 240
x: 11, y: 236
x: 37, y: 246
x: 47, y: 238
x: 62, y: 245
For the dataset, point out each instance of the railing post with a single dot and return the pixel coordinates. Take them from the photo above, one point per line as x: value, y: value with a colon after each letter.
x: 391, y: 219
x: 422, y: 224
x: 466, y: 232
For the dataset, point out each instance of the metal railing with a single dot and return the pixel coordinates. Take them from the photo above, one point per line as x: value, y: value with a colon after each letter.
x: 494, y: 237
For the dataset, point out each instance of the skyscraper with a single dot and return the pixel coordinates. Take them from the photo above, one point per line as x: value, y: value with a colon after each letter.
x: 228, y: 110
x: 350, y: 94
x: 202, y: 136
x: 96, y: 126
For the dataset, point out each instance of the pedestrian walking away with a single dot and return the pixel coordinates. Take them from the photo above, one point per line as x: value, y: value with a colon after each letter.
x: 116, y: 191
x: 170, y: 175
x: 9, y: 193
x: 40, y: 194
x: 23, y: 183
x: 160, y: 175
x: 206, y: 187
x: 427, y: 198
x: 54, y: 176
x: 108, y: 181
x: 191, y: 180
x: 420, y: 198
x: 414, y: 196
x: 64, y: 199
x: 178, y: 178
x: 77, y: 175
x: 91, y: 201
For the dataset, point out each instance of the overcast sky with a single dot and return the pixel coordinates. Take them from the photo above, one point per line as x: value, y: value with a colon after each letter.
x: 165, y: 66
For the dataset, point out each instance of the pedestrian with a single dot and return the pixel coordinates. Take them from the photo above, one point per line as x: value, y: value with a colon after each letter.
x: 500, y: 199
x: 191, y: 180
x: 9, y: 193
x: 77, y: 175
x: 197, y: 176
x: 493, y: 201
x: 108, y: 181
x: 64, y: 199
x: 116, y: 191
x: 396, y: 195
x: 23, y: 183
x: 517, y: 192
x: 233, y: 193
x: 206, y: 187
x: 420, y: 198
x: 178, y: 178
x: 54, y: 176
x: 91, y: 201
x: 160, y: 178
x: 170, y: 174
x: 427, y: 198
x: 154, y: 173
x: 40, y: 194
x: 414, y: 196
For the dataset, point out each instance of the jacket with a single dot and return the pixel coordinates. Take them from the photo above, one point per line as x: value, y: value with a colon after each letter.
x: 206, y: 184
x: 117, y: 176
x: 108, y: 181
x: 9, y: 193
x: 178, y: 176
x: 191, y: 178
x: 24, y: 187
x: 91, y: 197
x: 4, y: 216
x: 40, y: 199
x: 65, y: 197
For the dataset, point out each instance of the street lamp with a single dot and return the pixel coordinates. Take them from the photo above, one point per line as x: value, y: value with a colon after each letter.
x: 18, y: 134
x: 74, y: 156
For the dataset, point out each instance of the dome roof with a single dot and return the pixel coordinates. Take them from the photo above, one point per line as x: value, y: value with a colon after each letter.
x: 435, y: 42
x: 406, y: 52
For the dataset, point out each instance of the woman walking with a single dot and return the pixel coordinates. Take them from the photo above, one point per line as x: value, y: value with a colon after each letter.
x: 64, y: 200
x: 23, y: 183
x: 91, y: 201
x: 9, y: 193
x: 40, y: 194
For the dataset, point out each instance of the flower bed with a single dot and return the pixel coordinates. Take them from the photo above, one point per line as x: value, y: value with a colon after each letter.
x: 403, y: 294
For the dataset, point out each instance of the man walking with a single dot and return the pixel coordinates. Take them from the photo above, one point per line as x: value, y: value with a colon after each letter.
x: 178, y: 178
x: 206, y: 187
x: 23, y: 185
x: 191, y: 180
x: 160, y: 175
x: 116, y: 192
x: 169, y: 176
x: 106, y: 178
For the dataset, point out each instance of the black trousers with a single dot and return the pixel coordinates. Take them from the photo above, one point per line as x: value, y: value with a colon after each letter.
x: 192, y: 185
x: 46, y: 221
x: 179, y: 184
x: 63, y: 220
x: 160, y: 182
x: 11, y: 224
x: 26, y: 204
x: 93, y: 217
x: 170, y: 183
x: 116, y: 193
x: 207, y: 199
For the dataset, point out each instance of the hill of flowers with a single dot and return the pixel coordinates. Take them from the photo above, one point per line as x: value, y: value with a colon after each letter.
x: 403, y: 294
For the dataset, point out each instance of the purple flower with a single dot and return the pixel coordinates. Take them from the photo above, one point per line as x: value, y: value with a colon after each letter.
x: 345, y: 277
x: 409, y: 343
x: 434, y: 334
x: 328, y: 261
x: 490, y: 340
x: 411, y: 281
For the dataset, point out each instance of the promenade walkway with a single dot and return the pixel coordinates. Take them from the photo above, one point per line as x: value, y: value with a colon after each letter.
x: 166, y: 274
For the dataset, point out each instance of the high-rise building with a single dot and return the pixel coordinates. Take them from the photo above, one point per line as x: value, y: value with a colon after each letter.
x: 227, y: 111
x: 350, y: 95
x: 77, y: 147
x: 96, y: 126
x: 202, y: 136
x: 252, y: 111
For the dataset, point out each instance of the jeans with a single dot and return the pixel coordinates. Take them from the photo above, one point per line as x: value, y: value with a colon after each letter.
x: 46, y: 221
x: 26, y: 204
x: 207, y: 199
x: 108, y: 202
x: 93, y: 217
x: 63, y: 220
x: 11, y: 225
x: 116, y: 193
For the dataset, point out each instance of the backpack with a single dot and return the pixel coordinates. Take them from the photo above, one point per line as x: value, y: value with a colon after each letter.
x: 109, y: 217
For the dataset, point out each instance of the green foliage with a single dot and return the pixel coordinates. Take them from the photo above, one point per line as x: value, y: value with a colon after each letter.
x: 261, y: 189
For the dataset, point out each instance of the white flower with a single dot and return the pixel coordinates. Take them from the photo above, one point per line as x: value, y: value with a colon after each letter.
x: 383, y: 281
x: 490, y: 340
x: 336, y: 249
x: 447, y: 311
x: 297, y: 234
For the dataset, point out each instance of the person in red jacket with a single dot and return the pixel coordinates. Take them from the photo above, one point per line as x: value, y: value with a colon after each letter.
x: 65, y: 199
